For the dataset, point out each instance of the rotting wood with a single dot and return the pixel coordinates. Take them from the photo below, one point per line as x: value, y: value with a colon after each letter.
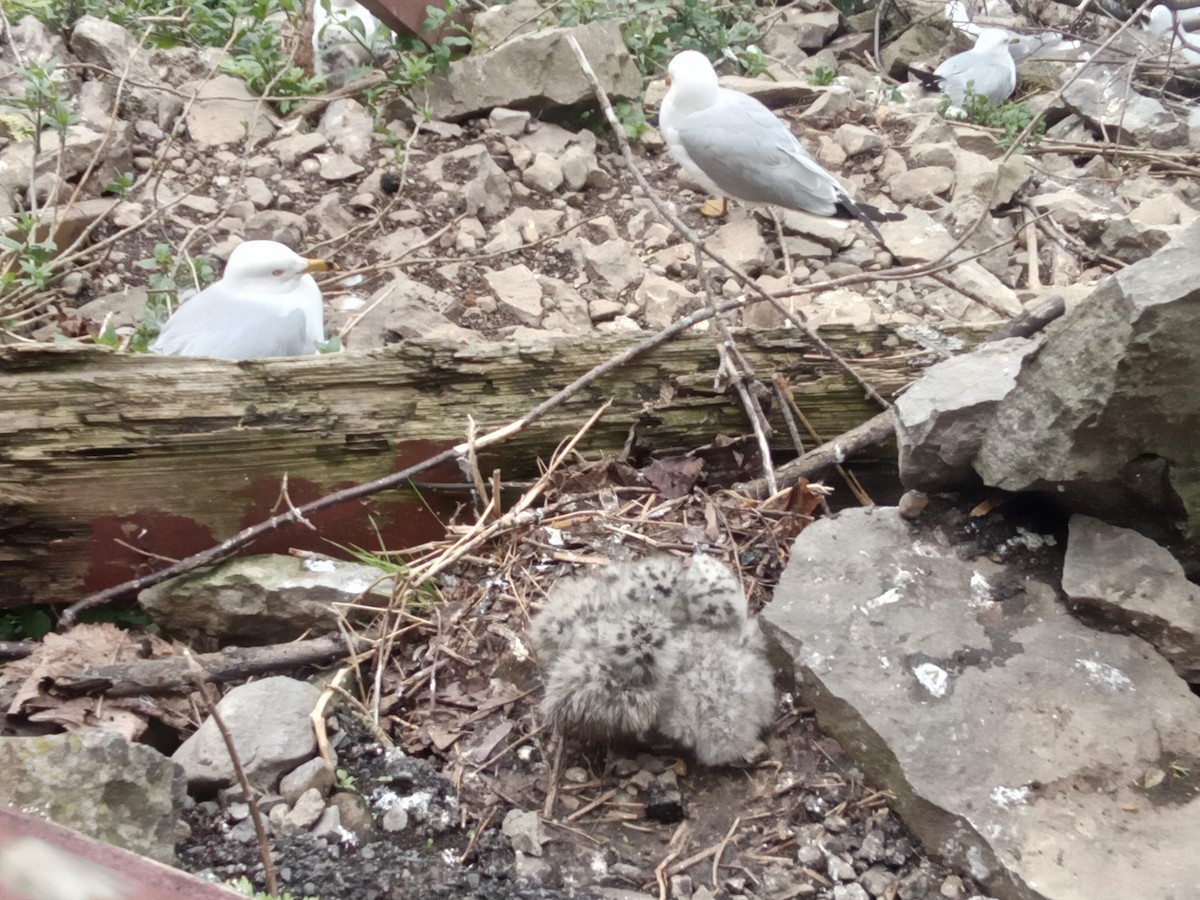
x: 173, y: 674
x: 141, y: 442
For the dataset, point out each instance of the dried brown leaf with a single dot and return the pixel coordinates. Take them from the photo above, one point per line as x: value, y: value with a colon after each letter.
x: 674, y: 476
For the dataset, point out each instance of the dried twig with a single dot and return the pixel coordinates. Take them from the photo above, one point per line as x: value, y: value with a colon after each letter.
x: 716, y: 863
x: 204, y: 688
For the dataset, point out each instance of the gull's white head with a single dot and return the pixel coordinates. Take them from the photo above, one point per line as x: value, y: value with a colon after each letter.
x: 692, y: 78
x: 1160, y: 20
x: 992, y: 39
x: 269, y: 267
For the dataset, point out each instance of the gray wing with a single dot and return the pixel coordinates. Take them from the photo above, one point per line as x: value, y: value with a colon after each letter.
x: 220, y: 324
x: 987, y: 75
x: 750, y: 154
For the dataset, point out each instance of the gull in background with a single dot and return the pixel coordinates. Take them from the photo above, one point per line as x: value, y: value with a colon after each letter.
x: 736, y: 148
x: 987, y: 69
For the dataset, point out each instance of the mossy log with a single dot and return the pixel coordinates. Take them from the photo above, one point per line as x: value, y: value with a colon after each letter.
x: 107, y: 457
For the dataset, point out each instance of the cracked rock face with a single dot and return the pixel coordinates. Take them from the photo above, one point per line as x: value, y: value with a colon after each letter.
x: 1124, y: 579
x: 1105, y: 415
x: 1019, y: 743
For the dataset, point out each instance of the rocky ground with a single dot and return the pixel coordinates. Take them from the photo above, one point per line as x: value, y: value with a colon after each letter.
x: 506, y: 225
x: 507, y: 222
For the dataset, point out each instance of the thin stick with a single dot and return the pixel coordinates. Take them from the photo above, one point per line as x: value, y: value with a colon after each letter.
x: 716, y: 863
x: 264, y: 849
x: 555, y: 771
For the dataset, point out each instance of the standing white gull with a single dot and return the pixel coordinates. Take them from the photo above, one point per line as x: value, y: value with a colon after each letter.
x: 736, y: 148
x: 987, y: 69
x: 266, y: 304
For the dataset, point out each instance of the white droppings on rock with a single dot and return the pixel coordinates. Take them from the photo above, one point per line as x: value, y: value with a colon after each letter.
x: 1007, y: 796
x: 933, y: 678
x: 981, y: 591
x: 892, y: 595
x: 1105, y: 676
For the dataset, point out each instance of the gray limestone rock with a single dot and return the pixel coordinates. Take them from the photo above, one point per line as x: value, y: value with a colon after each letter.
x: 856, y: 140
x: 99, y: 783
x: 922, y: 186
x: 613, y: 266
x: 1015, y: 739
x: 348, y: 127
x: 741, y: 243
x: 918, y: 238
x: 263, y: 599
x: 517, y: 290
x: 271, y: 732
x: 1107, y: 415
x: 524, y: 831
x: 798, y: 28
x: 1120, y: 578
x: 544, y: 175
x: 1105, y: 100
x: 943, y: 416
x: 314, y: 773
x: 225, y: 112
x: 295, y: 147
x: 277, y: 225
x: 107, y: 44
x: 536, y: 72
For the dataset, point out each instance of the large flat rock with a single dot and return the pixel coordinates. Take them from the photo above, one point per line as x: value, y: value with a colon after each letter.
x: 1051, y: 761
x: 536, y: 72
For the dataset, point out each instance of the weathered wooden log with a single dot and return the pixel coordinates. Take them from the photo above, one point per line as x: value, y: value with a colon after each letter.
x: 107, y: 457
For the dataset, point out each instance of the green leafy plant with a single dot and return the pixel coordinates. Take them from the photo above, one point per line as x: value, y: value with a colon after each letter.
x: 822, y: 75
x: 121, y: 185
x: 33, y: 256
x: 35, y: 622
x: 167, y: 276
x: 633, y: 118
x: 1011, y: 118
x: 25, y: 623
x: 654, y: 30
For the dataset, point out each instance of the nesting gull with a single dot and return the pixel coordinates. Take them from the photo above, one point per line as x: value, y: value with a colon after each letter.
x: 987, y: 69
x: 266, y: 304
x: 736, y: 148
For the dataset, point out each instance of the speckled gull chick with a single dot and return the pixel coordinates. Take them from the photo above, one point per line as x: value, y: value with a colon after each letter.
x: 735, y: 147
x: 656, y: 648
x: 266, y: 304
x: 987, y: 68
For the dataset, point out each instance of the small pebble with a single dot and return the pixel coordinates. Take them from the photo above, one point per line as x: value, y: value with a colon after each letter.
x: 912, y: 504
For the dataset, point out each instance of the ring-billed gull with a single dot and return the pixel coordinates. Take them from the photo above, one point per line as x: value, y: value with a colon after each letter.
x: 987, y: 69
x: 735, y: 147
x: 266, y: 304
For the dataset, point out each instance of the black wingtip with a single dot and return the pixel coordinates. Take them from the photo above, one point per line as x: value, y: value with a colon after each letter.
x: 929, y: 81
x: 868, y: 215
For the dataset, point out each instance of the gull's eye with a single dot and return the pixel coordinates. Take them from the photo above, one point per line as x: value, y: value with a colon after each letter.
x: 277, y: 272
